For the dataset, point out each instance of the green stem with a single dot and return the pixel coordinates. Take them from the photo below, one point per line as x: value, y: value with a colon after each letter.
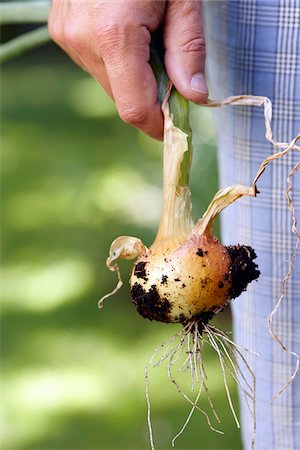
x: 21, y: 44
x: 24, y: 12
x: 179, y: 106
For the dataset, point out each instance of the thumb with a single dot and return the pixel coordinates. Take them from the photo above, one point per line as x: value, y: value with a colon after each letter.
x: 185, y: 48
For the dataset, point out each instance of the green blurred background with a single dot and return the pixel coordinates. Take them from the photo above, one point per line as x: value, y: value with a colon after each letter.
x: 74, y: 177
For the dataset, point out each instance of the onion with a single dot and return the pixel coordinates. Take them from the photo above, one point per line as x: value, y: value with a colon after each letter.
x: 187, y: 274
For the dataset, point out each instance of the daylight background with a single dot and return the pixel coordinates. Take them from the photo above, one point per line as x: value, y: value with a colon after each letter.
x: 74, y: 177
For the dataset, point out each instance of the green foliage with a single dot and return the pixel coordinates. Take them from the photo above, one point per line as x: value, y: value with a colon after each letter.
x: 74, y: 177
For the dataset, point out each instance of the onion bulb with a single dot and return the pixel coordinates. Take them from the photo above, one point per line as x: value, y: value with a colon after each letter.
x: 190, y: 280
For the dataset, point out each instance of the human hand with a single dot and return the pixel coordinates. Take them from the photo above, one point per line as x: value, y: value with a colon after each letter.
x: 111, y: 40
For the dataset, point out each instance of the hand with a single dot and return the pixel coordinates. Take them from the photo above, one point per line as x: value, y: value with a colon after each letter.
x: 111, y: 40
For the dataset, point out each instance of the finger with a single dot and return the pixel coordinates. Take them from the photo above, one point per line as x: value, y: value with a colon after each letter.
x: 185, y: 48
x: 132, y: 81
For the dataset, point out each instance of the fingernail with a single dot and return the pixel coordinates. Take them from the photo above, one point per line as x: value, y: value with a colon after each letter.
x: 198, y: 83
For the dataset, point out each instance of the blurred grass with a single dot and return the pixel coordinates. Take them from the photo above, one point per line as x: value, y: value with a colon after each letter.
x: 74, y: 177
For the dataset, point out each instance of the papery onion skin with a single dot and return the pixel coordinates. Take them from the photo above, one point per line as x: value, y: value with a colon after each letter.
x: 186, y: 279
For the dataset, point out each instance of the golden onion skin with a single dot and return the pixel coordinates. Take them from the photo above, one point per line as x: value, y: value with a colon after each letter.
x: 178, y: 281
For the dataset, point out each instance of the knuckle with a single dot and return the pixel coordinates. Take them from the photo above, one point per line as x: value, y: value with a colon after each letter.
x: 108, y: 37
x: 72, y: 36
x: 134, y: 116
x: 195, y: 45
x: 117, y: 39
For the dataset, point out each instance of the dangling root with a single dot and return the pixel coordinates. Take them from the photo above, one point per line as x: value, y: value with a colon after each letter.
x: 184, y: 352
x: 286, y: 148
x: 285, y: 280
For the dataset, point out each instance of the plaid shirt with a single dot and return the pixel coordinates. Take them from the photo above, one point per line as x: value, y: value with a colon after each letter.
x: 253, y: 47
